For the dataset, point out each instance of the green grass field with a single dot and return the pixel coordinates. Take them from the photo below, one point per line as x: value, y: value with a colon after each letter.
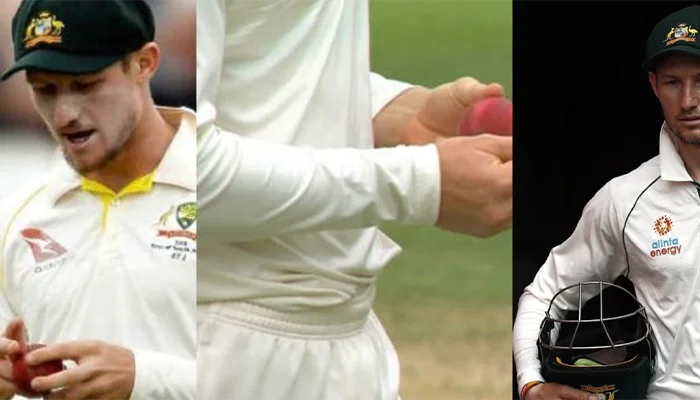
x: 446, y: 300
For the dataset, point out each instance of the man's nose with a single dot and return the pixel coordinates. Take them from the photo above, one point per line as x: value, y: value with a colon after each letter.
x: 66, y: 110
x: 691, y: 98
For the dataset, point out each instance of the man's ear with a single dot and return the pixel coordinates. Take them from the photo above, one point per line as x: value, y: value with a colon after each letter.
x: 146, y: 60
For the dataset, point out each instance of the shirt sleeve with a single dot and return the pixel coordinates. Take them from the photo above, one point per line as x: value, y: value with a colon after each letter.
x: 384, y: 91
x: 162, y: 376
x: 249, y: 189
x: 8, y: 299
x: 592, y: 253
x: 211, y: 31
x: 7, y: 312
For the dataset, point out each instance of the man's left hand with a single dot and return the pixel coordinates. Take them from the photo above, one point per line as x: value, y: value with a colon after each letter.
x: 444, y: 108
x: 103, y: 371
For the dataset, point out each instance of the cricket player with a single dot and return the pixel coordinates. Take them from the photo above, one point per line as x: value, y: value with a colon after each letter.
x: 292, y: 187
x: 98, y: 257
x: 644, y: 225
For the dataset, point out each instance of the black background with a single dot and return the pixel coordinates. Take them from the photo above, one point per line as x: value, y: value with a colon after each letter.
x: 584, y: 112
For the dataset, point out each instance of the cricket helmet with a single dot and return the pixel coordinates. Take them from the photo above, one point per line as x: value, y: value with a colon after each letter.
x: 608, y: 351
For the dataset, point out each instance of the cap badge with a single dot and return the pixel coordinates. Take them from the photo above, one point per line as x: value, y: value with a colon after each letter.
x: 680, y: 32
x: 45, y: 28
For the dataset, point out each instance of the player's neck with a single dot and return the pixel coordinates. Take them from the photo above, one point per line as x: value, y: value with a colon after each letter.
x: 140, y: 155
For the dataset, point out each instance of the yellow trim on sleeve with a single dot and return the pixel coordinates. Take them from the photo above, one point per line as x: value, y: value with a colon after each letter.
x: 7, y: 232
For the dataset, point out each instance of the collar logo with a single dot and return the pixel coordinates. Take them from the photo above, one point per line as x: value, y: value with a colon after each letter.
x: 681, y: 32
x: 44, y: 28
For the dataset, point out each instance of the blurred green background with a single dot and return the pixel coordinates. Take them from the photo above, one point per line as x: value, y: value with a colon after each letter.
x: 446, y: 300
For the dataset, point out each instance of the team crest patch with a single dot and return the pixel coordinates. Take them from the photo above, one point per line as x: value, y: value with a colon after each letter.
x: 681, y: 32
x: 163, y: 220
x: 186, y: 214
x: 45, y: 28
x: 176, y: 233
x: 176, y: 221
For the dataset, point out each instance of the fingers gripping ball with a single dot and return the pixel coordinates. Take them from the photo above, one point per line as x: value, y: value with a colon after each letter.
x: 22, y: 374
x: 491, y: 115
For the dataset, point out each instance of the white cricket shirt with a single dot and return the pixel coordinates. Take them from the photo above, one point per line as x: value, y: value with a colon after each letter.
x: 284, y: 226
x: 79, y: 262
x: 662, y: 237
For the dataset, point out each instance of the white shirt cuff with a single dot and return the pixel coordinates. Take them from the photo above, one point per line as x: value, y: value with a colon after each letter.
x: 163, y: 376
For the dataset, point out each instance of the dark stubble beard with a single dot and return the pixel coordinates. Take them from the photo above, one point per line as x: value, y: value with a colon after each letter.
x: 689, y: 140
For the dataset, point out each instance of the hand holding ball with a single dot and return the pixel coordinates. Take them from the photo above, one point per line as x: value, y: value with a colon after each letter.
x: 492, y: 115
x: 22, y: 374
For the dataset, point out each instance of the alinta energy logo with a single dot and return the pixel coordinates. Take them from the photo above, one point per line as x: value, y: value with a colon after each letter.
x: 667, y: 245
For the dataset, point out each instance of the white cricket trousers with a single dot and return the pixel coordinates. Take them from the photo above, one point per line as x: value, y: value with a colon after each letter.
x: 247, y: 352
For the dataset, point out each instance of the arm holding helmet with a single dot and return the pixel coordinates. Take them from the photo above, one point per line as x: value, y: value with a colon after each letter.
x: 594, y: 252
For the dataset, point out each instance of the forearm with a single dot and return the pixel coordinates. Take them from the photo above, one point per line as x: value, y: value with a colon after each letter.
x: 249, y: 189
x: 162, y: 376
x: 531, y: 312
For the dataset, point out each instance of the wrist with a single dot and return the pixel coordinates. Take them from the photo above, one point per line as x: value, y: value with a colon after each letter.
x: 527, y: 387
x: 393, y: 124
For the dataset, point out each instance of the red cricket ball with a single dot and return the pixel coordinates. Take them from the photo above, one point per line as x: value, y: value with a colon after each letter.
x: 22, y: 374
x: 490, y: 115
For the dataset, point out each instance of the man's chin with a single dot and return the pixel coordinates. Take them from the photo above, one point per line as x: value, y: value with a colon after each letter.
x: 686, y: 135
x: 82, y: 166
x: 691, y: 137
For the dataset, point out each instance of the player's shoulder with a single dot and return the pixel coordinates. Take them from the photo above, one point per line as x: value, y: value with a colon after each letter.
x: 19, y: 199
x: 634, y: 182
x: 623, y: 190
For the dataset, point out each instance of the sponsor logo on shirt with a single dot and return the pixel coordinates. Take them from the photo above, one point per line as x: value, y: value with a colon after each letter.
x: 667, y: 245
x: 47, y: 252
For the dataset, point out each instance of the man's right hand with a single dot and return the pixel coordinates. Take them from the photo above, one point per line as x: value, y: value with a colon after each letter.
x: 476, y: 195
x: 555, y: 391
x: 12, y: 342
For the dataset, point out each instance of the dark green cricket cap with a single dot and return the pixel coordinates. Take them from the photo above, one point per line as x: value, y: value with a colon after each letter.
x: 78, y: 36
x: 676, y: 33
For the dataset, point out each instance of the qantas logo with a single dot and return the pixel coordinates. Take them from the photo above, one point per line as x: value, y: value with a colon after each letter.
x: 43, y: 247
